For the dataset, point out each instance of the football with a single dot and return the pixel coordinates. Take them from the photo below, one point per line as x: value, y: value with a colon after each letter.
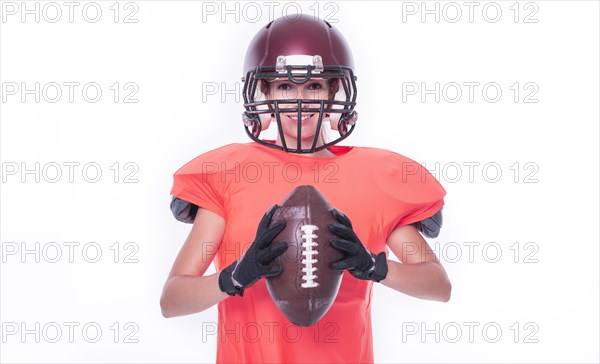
x: 308, y: 285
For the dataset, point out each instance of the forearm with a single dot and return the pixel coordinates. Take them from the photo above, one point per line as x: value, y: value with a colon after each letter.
x: 426, y: 280
x: 185, y: 295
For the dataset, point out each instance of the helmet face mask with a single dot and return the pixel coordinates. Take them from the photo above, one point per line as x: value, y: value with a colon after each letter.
x: 297, y: 71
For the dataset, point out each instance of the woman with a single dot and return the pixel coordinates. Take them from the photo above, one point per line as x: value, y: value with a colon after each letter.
x: 299, y: 75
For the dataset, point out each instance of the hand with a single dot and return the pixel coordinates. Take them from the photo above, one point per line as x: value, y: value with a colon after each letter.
x: 251, y: 266
x: 359, y: 261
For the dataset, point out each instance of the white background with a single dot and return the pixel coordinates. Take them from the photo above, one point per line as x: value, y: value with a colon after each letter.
x: 550, y: 290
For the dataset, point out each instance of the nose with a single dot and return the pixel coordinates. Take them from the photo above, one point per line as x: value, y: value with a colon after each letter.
x: 306, y: 105
x: 303, y: 93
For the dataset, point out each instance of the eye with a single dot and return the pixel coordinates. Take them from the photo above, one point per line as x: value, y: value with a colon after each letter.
x: 284, y: 87
x: 315, y: 86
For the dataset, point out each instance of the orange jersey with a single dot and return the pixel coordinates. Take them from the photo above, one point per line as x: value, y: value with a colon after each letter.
x: 377, y: 189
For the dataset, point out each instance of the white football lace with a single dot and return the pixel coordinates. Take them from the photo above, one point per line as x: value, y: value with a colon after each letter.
x: 307, y: 251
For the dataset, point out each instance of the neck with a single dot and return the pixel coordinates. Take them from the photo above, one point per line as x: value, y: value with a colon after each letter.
x: 323, y: 153
x: 320, y: 154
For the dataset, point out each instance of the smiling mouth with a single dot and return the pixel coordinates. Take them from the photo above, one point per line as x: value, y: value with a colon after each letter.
x: 295, y: 118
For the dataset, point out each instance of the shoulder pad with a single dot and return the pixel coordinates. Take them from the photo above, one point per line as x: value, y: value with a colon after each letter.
x: 431, y: 226
x: 183, y: 211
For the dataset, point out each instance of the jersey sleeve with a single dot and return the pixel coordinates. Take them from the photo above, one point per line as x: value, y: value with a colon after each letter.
x: 198, y: 184
x: 413, y: 194
x: 426, y: 194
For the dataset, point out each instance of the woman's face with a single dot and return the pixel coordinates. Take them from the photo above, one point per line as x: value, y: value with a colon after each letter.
x: 315, y: 89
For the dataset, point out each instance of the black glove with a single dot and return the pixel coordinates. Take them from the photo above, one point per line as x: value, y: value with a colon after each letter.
x: 359, y: 261
x: 251, y: 266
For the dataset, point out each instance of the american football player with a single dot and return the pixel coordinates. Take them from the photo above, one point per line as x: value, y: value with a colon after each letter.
x: 300, y: 84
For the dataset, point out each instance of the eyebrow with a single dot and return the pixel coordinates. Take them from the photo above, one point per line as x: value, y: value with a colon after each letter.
x: 288, y: 81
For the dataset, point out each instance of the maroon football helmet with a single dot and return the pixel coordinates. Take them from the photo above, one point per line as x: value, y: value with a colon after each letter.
x: 297, y: 49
